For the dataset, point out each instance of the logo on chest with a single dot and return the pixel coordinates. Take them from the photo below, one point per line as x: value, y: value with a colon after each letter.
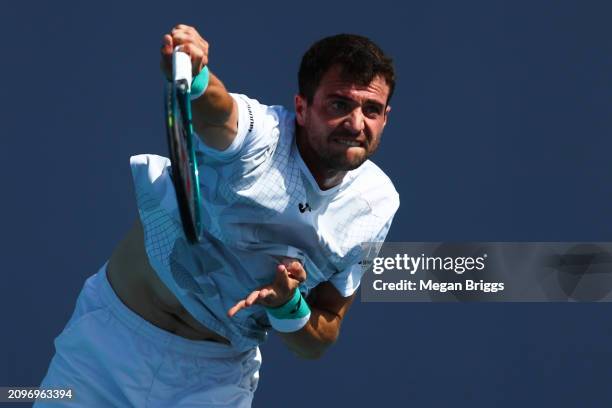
x: 304, y: 207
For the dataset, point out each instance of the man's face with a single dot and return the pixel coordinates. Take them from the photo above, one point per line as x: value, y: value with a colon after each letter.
x: 344, y: 123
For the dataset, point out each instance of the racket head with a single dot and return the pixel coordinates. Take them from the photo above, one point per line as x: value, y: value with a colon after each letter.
x: 179, y: 130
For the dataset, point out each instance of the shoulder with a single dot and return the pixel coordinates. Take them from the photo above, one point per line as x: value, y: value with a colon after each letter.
x: 259, y: 127
x: 376, y: 189
x: 256, y: 115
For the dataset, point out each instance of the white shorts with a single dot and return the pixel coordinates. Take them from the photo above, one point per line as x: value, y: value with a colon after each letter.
x: 112, y: 357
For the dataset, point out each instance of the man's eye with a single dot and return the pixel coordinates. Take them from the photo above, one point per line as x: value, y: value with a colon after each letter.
x: 339, y: 106
x: 371, y: 111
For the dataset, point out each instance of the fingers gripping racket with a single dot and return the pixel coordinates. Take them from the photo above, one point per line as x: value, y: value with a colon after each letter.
x: 181, y: 145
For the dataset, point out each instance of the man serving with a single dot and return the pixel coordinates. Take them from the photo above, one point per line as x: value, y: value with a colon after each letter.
x: 288, y: 198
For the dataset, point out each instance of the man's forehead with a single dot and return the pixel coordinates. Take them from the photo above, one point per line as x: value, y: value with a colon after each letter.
x: 335, y: 83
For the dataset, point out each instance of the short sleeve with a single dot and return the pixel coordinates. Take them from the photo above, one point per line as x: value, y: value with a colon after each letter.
x: 348, y: 280
x: 257, y: 130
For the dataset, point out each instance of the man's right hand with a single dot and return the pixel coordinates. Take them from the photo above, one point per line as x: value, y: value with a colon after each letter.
x: 191, y: 43
x: 215, y: 115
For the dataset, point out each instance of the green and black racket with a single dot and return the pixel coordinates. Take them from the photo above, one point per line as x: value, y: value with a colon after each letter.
x: 181, y: 145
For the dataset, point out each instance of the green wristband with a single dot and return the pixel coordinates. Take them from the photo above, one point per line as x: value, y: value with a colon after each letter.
x: 295, y: 308
x: 291, y: 316
x: 200, y: 83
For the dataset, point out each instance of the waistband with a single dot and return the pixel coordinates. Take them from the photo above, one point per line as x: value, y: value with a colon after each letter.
x: 159, y: 336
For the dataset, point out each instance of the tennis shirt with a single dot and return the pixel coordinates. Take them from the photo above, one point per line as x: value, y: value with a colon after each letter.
x: 260, y: 203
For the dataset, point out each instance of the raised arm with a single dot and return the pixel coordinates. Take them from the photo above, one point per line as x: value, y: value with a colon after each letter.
x: 215, y: 114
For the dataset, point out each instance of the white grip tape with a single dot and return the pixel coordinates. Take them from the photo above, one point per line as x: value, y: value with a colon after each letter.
x: 181, y: 66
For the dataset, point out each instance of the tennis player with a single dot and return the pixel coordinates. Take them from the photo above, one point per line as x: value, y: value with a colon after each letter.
x: 288, y: 198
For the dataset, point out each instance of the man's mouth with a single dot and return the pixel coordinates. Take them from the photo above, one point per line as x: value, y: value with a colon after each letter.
x: 349, y: 142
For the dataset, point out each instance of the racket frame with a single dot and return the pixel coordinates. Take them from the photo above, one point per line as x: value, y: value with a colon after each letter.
x: 183, y: 158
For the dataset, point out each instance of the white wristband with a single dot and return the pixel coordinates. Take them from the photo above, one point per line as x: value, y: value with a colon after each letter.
x: 288, y: 325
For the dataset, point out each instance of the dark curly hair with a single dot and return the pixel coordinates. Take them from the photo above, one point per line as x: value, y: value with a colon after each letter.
x: 359, y: 58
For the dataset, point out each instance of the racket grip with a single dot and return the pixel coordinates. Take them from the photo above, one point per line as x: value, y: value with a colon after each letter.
x: 181, y: 67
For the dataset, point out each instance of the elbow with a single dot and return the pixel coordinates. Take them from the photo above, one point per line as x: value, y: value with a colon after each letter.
x: 317, y: 350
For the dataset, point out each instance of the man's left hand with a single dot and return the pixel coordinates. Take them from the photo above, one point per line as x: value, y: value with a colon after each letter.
x: 289, y: 275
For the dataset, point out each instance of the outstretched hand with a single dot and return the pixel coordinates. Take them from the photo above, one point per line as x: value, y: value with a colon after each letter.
x: 289, y: 274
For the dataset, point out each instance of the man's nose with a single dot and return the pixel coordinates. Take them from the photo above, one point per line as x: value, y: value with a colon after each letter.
x: 354, y: 122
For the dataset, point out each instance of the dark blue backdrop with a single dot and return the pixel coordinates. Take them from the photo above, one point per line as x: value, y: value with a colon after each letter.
x: 500, y: 130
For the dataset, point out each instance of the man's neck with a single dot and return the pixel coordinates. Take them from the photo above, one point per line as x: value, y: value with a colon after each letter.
x: 325, y: 177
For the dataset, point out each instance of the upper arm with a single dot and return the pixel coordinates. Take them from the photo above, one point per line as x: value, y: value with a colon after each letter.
x: 221, y: 136
x: 252, y: 128
x: 215, y: 118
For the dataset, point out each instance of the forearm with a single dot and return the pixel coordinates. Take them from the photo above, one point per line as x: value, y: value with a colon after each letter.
x: 287, y: 310
x: 316, y: 336
x: 214, y: 114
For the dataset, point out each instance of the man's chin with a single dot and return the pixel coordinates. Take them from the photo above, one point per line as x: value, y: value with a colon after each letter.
x: 348, y: 164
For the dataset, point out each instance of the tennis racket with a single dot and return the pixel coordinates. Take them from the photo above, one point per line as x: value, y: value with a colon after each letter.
x: 181, y: 145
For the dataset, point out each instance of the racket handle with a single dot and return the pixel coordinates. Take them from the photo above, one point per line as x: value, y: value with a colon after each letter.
x: 181, y: 67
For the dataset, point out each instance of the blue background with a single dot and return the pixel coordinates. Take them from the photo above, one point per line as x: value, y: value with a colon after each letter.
x: 500, y: 130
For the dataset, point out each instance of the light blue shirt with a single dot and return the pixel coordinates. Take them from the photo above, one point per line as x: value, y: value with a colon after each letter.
x: 260, y: 203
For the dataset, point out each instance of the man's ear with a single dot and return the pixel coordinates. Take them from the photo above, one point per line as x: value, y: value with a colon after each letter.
x: 387, y: 110
x: 300, y: 109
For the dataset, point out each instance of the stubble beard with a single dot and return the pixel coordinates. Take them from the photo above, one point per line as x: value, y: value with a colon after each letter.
x: 336, y: 161
x: 340, y: 162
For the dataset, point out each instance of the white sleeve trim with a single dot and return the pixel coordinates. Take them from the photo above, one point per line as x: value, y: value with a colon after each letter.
x: 347, y: 282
